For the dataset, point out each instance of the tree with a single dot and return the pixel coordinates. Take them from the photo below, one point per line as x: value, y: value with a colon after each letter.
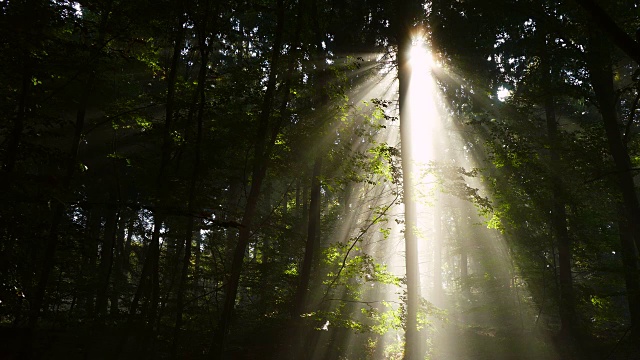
x: 185, y: 179
x: 412, y: 348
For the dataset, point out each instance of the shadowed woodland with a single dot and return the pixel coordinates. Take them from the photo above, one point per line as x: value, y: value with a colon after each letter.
x: 226, y: 179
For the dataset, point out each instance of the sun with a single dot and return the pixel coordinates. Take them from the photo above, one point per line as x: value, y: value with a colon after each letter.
x: 419, y: 55
x: 422, y: 100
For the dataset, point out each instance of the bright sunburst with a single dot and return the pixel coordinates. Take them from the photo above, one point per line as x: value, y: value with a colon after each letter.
x: 449, y: 240
x: 423, y: 104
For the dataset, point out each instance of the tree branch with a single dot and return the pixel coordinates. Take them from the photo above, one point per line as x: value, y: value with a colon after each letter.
x: 619, y: 37
x: 354, y: 241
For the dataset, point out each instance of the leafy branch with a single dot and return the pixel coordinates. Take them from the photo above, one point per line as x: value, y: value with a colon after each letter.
x: 355, y: 241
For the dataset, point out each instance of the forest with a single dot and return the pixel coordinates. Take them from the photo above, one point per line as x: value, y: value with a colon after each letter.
x: 319, y: 179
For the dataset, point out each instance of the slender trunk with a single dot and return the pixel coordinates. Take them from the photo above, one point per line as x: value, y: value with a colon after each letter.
x: 312, y: 236
x: 260, y: 163
x: 412, y: 348
x: 27, y: 34
x: 106, y: 262
x: 314, y: 215
x: 126, y: 258
x: 182, y: 285
x: 149, y: 285
x: 196, y: 260
x: 18, y: 123
x: 631, y: 274
x: 285, y: 200
x: 620, y: 38
x: 437, y: 251
x: 59, y: 207
x: 305, y: 203
x: 568, y: 316
x: 118, y: 276
x: 162, y: 181
x: 188, y: 236
x: 298, y: 201
x: 601, y: 74
x: 151, y: 309
x: 89, y: 259
x: 231, y: 237
x: 464, y: 268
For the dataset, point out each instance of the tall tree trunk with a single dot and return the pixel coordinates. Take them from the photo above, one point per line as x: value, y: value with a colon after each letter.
x: 599, y: 16
x: 303, y: 339
x: 126, y: 258
x: 72, y: 164
x: 412, y: 348
x: 314, y: 214
x: 631, y: 274
x: 438, y: 239
x: 601, y: 75
x: 18, y: 123
x: 89, y: 260
x: 162, y: 180
x: 149, y: 285
x: 191, y: 208
x: 106, y: 262
x: 463, y: 244
x: 260, y: 163
x: 312, y: 237
x: 27, y: 35
x: 568, y: 317
x: 118, y: 276
x: 298, y: 210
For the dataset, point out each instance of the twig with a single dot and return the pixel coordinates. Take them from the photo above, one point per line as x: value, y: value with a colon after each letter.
x: 355, y: 241
x: 618, y: 343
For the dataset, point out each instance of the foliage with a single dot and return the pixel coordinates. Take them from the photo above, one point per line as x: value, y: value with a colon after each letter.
x: 125, y: 119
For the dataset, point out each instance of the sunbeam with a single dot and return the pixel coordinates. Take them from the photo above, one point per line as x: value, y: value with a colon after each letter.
x: 454, y: 250
x: 422, y: 103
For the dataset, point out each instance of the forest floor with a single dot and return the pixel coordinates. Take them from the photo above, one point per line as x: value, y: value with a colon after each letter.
x: 492, y: 326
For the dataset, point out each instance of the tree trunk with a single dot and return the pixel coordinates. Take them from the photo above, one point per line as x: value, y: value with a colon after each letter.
x: 191, y: 208
x: 18, y: 123
x: 126, y: 258
x: 27, y: 34
x: 463, y: 243
x: 313, y: 229
x: 118, y: 276
x: 438, y: 239
x: 619, y: 37
x: 298, y: 211
x: 413, y: 348
x: 149, y: 285
x: 631, y: 275
x: 162, y: 179
x: 106, y: 262
x: 464, y: 260
x: 89, y: 260
x: 568, y: 317
x: 260, y: 163
x: 72, y: 164
x: 601, y: 74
